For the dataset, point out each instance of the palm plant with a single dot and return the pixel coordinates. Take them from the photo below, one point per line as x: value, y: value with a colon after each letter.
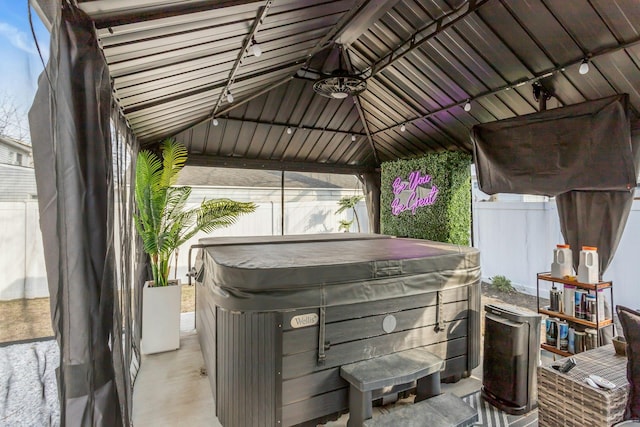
x: 350, y: 203
x: 345, y: 225
x: 163, y: 221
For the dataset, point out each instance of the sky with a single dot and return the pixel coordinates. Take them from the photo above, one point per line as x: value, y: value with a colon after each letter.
x: 20, y: 64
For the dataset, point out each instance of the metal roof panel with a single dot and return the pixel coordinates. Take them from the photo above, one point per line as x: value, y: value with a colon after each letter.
x: 171, y: 60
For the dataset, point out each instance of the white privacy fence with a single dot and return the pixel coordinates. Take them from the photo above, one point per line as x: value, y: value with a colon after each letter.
x: 517, y: 239
x: 305, y: 217
x: 22, y: 268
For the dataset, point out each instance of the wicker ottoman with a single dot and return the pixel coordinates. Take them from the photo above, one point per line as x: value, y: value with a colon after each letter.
x: 566, y: 400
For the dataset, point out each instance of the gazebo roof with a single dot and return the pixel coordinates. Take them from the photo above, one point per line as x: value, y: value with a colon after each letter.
x: 173, y: 62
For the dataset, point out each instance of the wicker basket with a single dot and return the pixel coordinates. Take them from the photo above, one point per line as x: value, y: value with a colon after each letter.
x: 567, y: 400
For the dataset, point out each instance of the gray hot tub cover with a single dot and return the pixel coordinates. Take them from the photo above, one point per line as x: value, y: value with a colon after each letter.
x: 280, y: 273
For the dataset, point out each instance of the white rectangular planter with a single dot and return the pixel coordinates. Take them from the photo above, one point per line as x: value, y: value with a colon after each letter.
x: 160, y: 318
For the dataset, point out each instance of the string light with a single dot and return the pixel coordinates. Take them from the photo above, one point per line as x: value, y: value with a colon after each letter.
x: 353, y: 138
x: 215, y: 122
x: 256, y: 49
x: 289, y: 130
x: 403, y: 128
x: 584, y: 67
x: 229, y: 97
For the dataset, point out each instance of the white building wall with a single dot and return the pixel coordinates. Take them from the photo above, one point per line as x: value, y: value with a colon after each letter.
x: 14, y: 155
x: 516, y: 240
x: 5, y: 155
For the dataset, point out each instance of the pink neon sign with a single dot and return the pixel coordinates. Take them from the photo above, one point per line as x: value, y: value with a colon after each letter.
x: 415, y: 192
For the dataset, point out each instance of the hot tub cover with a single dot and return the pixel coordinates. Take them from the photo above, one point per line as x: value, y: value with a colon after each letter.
x: 287, y: 272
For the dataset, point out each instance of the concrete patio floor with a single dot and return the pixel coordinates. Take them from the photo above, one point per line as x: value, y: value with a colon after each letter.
x: 171, y: 391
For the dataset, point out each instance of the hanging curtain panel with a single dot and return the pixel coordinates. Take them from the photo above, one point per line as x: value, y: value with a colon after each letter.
x: 71, y: 133
x: 596, y: 218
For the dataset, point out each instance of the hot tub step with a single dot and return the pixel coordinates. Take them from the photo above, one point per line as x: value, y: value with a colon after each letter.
x: 445, y: 410
x: 392, y: 369
x: 416, y: 364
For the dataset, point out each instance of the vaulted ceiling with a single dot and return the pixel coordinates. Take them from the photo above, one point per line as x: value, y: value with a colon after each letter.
x: 173, y: 63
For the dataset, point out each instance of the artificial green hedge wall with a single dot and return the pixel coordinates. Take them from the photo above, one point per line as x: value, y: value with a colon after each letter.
x: 448, y: 219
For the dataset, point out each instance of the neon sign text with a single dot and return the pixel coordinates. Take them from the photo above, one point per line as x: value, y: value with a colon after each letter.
x: 415, y: 192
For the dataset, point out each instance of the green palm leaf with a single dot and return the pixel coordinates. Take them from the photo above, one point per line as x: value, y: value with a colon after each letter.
x: 349, y: 203
x: 214, y: 214
x: 163, y: 220
x: 174, y: 156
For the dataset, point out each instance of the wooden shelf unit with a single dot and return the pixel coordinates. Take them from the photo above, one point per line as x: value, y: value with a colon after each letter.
x: 555, y: 350
x: 590, y: 286
x: 573, y: 319
x: 595, y: 287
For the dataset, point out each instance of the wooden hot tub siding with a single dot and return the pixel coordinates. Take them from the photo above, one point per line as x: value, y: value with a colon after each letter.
x: 265, y: 373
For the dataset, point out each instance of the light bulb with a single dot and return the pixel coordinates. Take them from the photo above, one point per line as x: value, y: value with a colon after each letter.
x: 215, y: 122
x: 289, y: 130
x: 403, y: 128
x: 584, y: 67
x: 467, y: 106
x: 229, y: 98
x: 256, y: 49
x: 353, y: 138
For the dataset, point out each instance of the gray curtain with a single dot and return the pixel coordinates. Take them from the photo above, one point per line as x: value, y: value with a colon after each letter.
x: 596, y: 218
x: 583, y: 154
x: 372, y: 185
x: 70, y: 133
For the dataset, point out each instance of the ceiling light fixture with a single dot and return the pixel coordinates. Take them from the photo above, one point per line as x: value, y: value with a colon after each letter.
x: 229, y: 97
x: 403, y: 127
x: 467, y: 106
x: 340, y: 83
x: 289, y: 130
x: 215, y: 122
x: 584, y: 67
x: 256, y: 48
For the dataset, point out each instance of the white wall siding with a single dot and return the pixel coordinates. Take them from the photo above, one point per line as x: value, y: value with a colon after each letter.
x: 5, y: 155
x: 17, y: 183
x: 9, y: 155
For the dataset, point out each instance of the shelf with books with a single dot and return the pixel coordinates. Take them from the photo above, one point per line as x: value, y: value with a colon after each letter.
x: 588, y: 315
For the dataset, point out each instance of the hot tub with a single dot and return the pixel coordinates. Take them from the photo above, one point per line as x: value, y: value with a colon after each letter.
x: 278, y: 316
